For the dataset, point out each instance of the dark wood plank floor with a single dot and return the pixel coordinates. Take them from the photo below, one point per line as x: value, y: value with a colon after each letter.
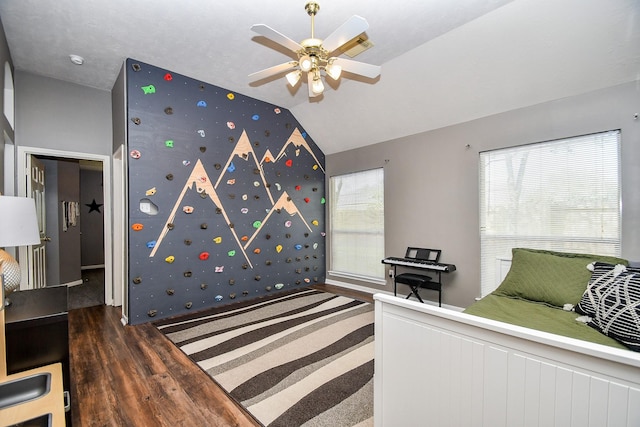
x: 134, y: 376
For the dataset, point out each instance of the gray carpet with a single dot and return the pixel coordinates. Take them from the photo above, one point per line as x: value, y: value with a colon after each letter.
x: 90, y: 293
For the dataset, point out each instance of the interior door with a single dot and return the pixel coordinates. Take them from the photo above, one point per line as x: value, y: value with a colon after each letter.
x: 37, y: 253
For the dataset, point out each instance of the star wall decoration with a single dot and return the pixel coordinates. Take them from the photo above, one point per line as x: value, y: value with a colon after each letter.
x: 93, y: 206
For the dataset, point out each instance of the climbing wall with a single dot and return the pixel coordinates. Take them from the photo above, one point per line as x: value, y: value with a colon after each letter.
x: 226, y: 196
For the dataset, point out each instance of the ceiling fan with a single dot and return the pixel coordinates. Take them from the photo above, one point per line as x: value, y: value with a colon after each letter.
x: 314, y: 54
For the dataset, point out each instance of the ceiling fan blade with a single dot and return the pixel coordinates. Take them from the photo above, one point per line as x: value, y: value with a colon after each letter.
x: 360, y: 68
x: 272, y: 71
x: 276, y: 36
x: 354, y: 26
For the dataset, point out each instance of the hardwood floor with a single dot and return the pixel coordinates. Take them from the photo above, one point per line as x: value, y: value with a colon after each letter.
x: 134, y: 376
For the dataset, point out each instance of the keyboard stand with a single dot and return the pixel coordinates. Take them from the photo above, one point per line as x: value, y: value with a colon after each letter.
x: 427, y: 261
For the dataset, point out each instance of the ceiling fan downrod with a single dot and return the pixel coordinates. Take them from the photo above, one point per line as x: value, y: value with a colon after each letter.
x: 312, y: 9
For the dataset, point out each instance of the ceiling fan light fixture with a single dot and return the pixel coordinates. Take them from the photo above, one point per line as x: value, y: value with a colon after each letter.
x: 333, y: 70
x: 305, y: 63
x: 294, y: 77
x: 317, y: 87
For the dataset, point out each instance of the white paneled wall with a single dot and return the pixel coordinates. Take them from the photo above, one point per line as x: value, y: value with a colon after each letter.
x: 440, y: 368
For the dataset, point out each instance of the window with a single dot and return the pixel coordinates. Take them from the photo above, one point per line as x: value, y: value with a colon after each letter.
x: 357, y: 225
x: 561, y: 195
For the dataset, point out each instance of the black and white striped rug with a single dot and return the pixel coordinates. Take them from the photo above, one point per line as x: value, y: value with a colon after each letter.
x: 299, y: 359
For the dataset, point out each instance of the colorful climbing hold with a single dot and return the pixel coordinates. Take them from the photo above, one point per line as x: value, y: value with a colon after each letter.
x: 231, y: 253
x: 151, y: 244
x: 137, y: 226
x: 151, y: 191
x: 231, y: 125
x: 217, y: 240
x: 230, y: 96
x: 204, y: 256
x: 168, y: 143
x: 148, y: 89
x: 289, y: 163
x: 202, y: 104
x: 135, y: 154
x: 257, y: 224
x: 170, y: 259
x: 279, y: 248
x: 168, y: 77
x: 219, y: 268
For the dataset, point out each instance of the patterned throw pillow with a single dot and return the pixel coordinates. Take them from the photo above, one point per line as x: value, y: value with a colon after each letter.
x: 602, y: 274
x: 617, y: 313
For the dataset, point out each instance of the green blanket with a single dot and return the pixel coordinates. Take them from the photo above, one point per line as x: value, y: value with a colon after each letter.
x: 537, y: 316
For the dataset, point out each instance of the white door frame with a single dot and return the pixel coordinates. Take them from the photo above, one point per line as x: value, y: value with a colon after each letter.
x: 22, y: 174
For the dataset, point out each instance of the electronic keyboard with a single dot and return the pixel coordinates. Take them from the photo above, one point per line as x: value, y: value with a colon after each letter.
x: 419, y: 263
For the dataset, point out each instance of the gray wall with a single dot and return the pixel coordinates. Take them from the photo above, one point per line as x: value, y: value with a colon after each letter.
x: 60, y: 115
x: 431, y: 179
x: 5, y: 127
x: 91, y: 224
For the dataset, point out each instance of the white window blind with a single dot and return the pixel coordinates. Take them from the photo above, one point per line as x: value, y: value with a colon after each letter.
x: 561, y: 195
x: 357, y: 224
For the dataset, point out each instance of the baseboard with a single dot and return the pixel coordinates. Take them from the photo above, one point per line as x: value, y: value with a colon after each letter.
x: 92, y: 267
x: 74, y: 283
x: 373, y: 291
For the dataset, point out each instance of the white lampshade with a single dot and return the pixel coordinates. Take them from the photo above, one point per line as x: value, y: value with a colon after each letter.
x: 305, y: 63
x: 294, y: 77
x: 333, y: 71
x: 18, y: 227
x: 317, y: 87
x: 18, y: 222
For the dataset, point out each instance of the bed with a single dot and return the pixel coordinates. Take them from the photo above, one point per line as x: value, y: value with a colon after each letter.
x: 517, y: 357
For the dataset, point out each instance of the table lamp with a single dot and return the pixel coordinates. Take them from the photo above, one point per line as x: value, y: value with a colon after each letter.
x: 18, y: 227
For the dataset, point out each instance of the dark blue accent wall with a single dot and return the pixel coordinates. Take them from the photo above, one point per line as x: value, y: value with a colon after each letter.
x: 226, y: 196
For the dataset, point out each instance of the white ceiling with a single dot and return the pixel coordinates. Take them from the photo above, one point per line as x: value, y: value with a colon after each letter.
x: 443, y: 61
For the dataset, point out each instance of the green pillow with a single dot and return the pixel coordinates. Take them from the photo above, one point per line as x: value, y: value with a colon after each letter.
x: 553, y: 278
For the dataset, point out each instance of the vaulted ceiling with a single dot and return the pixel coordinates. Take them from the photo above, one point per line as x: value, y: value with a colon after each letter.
x: 443, y: 61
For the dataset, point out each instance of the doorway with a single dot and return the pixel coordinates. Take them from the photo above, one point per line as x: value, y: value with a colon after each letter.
x: 103, y: 199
